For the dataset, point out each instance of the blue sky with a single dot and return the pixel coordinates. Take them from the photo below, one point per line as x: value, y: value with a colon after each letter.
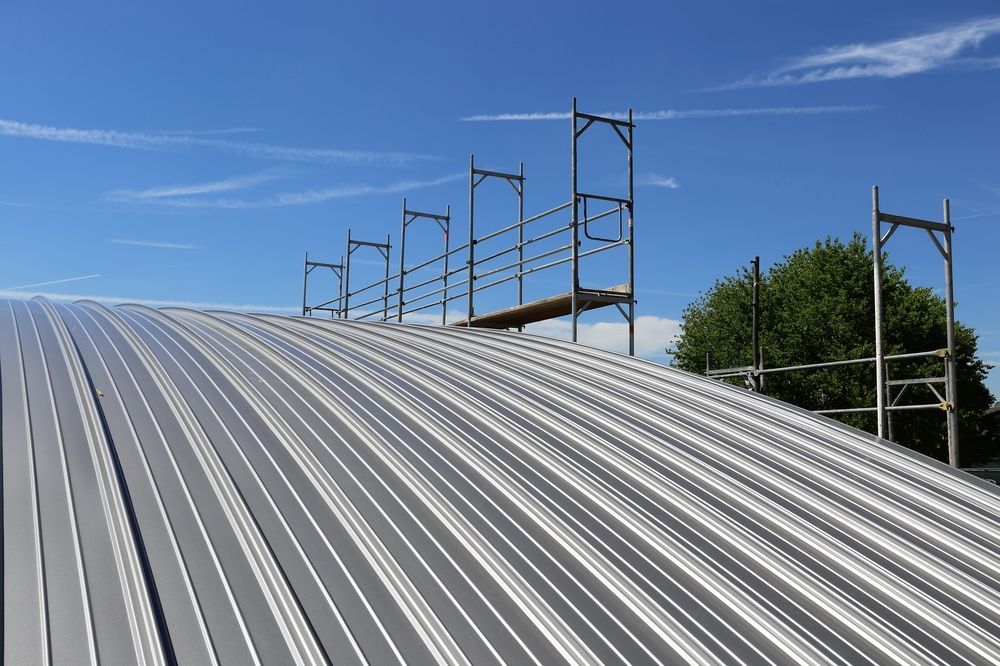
x: 190, y: 152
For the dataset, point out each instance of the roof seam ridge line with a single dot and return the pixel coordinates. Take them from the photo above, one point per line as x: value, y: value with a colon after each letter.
x: 315, y: 385
x: 263, y: 562
x: 60, y: 444
x: 163, y: 637
x: 154, y: 367
x: 458, y: 403
x: 113, y: 320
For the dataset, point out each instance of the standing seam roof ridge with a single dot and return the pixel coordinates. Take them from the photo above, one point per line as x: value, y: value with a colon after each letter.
x: 153, y: 608
x: 362, y: 370
x: 285, y: 612
x: 152, y: 487
x: 175, y: 407
x: 156, y: 646
x: 251, y: 394
x: 387, y: 493
x: 451, y: 652
x: 55, y: 500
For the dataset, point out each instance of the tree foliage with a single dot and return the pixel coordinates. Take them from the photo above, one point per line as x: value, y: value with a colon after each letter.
x: 817, y: 305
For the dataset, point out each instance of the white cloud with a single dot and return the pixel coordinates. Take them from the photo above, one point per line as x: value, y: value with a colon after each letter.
x: 162, y: 141
x: 155, y: 303
x: 307, y: 196
x: 48, y: 282
x: 652, y: 333
x: 684, y: 114
x: 888, y: 59
x: 654, y: 180
x: 224, y: 185
x: 157, y: 244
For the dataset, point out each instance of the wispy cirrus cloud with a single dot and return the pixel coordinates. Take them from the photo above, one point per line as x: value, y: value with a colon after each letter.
x: 151, y: 302
x: 210, y: 187
x: 49, y: 282
x: 655, y: 180
x: 316, y: 195
x: 683, y: 114
x: 211, y: 132
x: 888, y: 59
x: 976, y: 215
x: 155, y: 244
x: 166, y: 141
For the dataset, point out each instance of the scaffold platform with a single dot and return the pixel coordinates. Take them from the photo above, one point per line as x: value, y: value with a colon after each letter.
x: 549, y: 308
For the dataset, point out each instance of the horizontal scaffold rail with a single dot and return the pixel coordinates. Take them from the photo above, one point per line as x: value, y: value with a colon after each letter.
x: 723, y: 373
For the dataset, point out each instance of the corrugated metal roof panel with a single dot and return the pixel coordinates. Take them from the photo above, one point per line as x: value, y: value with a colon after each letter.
x: 226, y: 488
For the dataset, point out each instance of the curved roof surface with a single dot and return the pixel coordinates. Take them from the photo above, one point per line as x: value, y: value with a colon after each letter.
x: 227, y: 488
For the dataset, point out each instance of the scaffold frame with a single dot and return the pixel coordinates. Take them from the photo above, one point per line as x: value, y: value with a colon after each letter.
x: 384, y: 249
x: 444, y: 222
x: 448, y: 286
x: 338, y: 270
x: 886, y: 402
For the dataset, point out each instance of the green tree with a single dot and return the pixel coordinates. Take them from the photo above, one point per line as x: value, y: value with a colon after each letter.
x: 817, y: 305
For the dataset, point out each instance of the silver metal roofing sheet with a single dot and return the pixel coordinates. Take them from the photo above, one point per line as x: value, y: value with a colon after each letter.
x: 203, y: 488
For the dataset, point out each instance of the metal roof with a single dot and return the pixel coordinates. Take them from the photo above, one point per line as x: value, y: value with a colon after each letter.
x: 229, y: 488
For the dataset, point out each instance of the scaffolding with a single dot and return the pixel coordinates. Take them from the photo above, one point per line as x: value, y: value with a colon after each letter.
x: 338, y: 272
x: 353, y: 245
x: 444, y: 222
x: 886, y: 402
x: 481, y: 272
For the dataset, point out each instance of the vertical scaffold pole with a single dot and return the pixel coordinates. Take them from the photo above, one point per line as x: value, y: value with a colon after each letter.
x: 385, y: 285
x: 340, y: 292
x: 347, y: 279
x: 952, y: 375
x: 402, y: 268
x: 305, y: 282
x: 444, y: 276
x: 879, y: 342
x: 631, y: 243
x: 574, y: 230
x: 890, y: 431
x: 472, y: 237
x: 520, y: 235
